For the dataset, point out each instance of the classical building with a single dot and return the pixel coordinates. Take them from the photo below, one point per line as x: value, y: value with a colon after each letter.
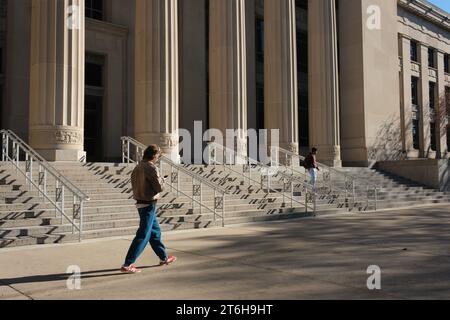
x: 363, y: 80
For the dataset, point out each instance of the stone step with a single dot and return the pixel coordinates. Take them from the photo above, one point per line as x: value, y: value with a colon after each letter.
x: 12, y: 241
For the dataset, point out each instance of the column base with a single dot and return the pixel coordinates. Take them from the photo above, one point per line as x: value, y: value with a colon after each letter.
x: 167, y: 142
x: 329, y: 155
x: 63, y: 155
x: 332, y: 163
x: 173, y: 155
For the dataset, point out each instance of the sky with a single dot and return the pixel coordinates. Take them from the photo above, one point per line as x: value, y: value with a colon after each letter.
x: 443, y: 4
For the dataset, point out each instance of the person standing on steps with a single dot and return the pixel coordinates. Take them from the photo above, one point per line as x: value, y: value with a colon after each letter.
x: 147, y: 187
x: 312, y: 166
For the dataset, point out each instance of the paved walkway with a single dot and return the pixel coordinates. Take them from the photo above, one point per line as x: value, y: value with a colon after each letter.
x: 312, y: 258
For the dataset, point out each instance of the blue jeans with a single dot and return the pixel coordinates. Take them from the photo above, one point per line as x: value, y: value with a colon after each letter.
x: 313, y: 174
x: 149, y: 232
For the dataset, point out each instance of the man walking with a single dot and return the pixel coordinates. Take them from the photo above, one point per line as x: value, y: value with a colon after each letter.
x: 312, y: 166
x: 147, y: 186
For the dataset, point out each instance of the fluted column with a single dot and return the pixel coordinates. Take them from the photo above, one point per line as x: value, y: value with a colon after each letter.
x: 424, y: 132
x: 280, y: 71
x: 407, y: 110
x: 323, y: 81
x: 228, y: 69
x: 441, y: 124
x: 57, y: 79
x: 157, y: 75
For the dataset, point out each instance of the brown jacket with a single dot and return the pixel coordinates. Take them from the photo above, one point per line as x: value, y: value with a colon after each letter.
x: 146, y: 182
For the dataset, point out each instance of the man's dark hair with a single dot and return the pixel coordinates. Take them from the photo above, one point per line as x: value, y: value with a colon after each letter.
x: 314, y: 150
x: 151, y: 152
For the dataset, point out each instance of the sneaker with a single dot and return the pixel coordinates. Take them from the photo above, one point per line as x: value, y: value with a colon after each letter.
x: 170, y: 260
x: 130, y: 269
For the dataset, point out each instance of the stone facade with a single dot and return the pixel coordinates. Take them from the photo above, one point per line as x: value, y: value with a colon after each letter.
x: 147, y: 68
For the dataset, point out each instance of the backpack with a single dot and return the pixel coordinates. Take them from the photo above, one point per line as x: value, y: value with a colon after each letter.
x: 307, y: 163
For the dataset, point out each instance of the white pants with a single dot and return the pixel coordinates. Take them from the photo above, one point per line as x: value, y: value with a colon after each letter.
x: 313, y: 174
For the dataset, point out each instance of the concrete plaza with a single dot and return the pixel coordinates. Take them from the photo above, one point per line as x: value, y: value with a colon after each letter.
x: 312, y: 258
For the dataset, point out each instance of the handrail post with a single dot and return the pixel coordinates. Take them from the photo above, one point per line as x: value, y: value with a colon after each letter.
x: 7, y: 146
x: 74, y: 212
x: 81, y: 221
x: 45, y: 183
x: 376, y: 198
x: 17, y: 158
x: 292, y: 194
x: 31, y: 172
x: 27, y: 168
x: 201, y: 197
x: 193, y: 194
x: 215, y: 206
x: 354, y: 194
x: 40, y: 181
x: 3, y: 146
x: 178, y: 182
x: 315, y: 202
x: 62, y: 204
x: 224, y: 158
x: 223, y: 210
x: 305, y: 190
x: 57, y: 197
x: 171, y: 180
x: 128, y: 152
x: 123, y: 150
x: 367, y: 197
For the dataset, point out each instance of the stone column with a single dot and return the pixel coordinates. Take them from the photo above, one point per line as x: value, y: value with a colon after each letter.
x: 228, y: 70
x: 425, y: 136
x: 323, y: 81
x: 157, y: 75
x: 57, y: 79
x: 280, y: 71
x: 441, y: 123
x: 407, y: 111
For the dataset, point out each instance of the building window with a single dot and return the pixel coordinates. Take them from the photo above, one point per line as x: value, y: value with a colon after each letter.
x: 431, y: 58
x: 433, y: 135
x: 94, y: 9
x: 415, y: 131
x: 415, y: 110
x: 446, y: 63
x: 432, y: 102
x: 414, y: 55
x: 415, y: 91
x: 447, y: 106
x: 432, y: 92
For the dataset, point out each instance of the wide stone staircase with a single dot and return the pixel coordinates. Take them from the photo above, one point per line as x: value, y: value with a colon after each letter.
x: 395, y: 191
x: 25, y: 219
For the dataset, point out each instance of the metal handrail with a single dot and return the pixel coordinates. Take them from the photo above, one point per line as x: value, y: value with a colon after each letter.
x: 297, y: 172
x: 350, y: 181
x: 67, y: 183
x: 288, y: 180
x: 197, y: 181
x: 61, y: 183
